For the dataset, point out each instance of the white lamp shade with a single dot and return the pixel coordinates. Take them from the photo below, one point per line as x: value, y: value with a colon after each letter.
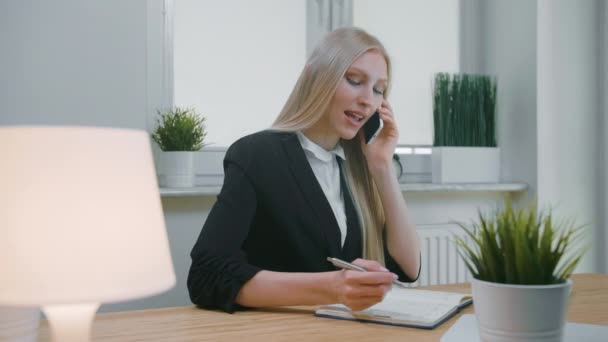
x: 80, y: 217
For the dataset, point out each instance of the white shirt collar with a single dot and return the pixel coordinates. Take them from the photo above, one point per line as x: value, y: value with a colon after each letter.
x: 318, y: 151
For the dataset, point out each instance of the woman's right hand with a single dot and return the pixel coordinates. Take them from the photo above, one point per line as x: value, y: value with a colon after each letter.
x: 360, y: 290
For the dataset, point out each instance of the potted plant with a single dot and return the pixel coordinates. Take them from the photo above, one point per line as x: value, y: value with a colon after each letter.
x: 464, y: 118
x: 520, y: 261
x: 180, y: 132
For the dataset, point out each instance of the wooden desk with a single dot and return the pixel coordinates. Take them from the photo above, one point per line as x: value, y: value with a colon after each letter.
x: 588, y: 304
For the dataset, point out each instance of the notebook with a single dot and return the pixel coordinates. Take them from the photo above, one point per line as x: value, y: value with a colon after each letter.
x: 404, y: 307
x: 465, y: 329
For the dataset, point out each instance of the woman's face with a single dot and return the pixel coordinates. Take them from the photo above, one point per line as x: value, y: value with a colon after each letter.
x: 359, y: 94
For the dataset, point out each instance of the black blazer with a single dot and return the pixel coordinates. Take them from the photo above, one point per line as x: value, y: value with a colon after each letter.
x: 271, y: 214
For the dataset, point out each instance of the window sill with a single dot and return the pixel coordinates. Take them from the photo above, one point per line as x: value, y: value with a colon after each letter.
x: 214, y: 190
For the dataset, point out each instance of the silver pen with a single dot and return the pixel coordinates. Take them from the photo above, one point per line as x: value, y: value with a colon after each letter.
x: 348, y: 266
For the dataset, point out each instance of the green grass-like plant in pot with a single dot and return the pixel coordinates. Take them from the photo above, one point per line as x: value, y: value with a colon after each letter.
x: 464, y: 120
x: 520, y: 260
x: 464, y: 110
x: 179, y: 133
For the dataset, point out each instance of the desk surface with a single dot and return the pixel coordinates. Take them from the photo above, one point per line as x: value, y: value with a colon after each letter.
x: 588, y: 304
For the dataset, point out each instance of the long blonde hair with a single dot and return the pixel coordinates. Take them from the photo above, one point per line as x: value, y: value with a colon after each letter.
x: 310, y: 100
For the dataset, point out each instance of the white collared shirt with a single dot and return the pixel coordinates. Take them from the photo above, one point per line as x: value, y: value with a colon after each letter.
x: 326, y: 169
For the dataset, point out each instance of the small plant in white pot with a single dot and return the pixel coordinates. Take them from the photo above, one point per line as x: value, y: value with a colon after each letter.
x: 180, y: 132
x: 464, y: 119
x: 520, y: 261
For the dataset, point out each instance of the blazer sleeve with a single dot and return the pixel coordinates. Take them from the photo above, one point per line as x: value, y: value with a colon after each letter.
x: 393, y: 266
x: 219, y: 266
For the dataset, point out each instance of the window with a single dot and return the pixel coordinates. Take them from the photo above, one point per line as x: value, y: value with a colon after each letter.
x: 237, y: 61
x: 422, y: 39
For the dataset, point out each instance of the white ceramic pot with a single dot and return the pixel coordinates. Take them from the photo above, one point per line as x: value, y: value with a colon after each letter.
x: 465, y: 164
x: 524, y: 313
x: 19, y: 324
x: 209, y: 166
x: 176, y: 169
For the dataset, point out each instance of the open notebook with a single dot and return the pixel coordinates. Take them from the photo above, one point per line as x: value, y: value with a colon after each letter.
x: 404, y: 307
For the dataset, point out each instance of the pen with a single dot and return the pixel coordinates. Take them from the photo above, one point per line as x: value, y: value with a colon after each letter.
x: 348, y: 266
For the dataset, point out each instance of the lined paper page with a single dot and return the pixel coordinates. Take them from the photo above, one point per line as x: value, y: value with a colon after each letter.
x: 412, y: 295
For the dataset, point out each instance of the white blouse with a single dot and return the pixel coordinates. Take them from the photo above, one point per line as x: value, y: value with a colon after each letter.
x: 326, y: 169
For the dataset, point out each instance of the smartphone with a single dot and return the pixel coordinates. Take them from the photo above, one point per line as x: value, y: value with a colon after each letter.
x: 372, y: 127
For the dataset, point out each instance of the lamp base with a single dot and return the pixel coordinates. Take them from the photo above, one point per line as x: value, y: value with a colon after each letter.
x: 71, y: 323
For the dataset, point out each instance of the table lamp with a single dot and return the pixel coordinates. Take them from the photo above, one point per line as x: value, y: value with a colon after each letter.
x: 81, y: 223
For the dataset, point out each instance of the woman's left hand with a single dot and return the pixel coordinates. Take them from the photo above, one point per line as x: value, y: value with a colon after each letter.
x: 380, y: 152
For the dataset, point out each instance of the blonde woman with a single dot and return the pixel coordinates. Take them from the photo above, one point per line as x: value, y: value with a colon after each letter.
x: 308, y: 189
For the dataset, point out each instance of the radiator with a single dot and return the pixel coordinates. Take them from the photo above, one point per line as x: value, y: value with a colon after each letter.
x: 440, y: 263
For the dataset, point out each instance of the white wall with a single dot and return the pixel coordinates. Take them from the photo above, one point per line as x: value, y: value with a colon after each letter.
x: 73, y: 62
x: 549, y: 103
x: 604, y: 92
x: 422, y: 38
x: 472, y: 33
x: 568, y: 115
x: 184, y: 218
x: 237, y: 61
x: 264, y: 42
x: 97, y: 63
x: 509, y: 52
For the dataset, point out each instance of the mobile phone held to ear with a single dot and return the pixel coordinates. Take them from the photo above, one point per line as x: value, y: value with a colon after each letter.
x: 372, y: 127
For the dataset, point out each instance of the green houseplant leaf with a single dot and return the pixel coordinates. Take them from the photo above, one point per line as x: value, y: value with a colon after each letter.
x: 520, y: 246
x: 464, y: 110
x: 180, y: 129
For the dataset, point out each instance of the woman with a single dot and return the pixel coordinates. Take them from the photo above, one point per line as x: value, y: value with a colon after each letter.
x: 309, y: 189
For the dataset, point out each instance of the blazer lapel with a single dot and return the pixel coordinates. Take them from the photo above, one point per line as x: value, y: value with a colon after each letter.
x: 310, y: 187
